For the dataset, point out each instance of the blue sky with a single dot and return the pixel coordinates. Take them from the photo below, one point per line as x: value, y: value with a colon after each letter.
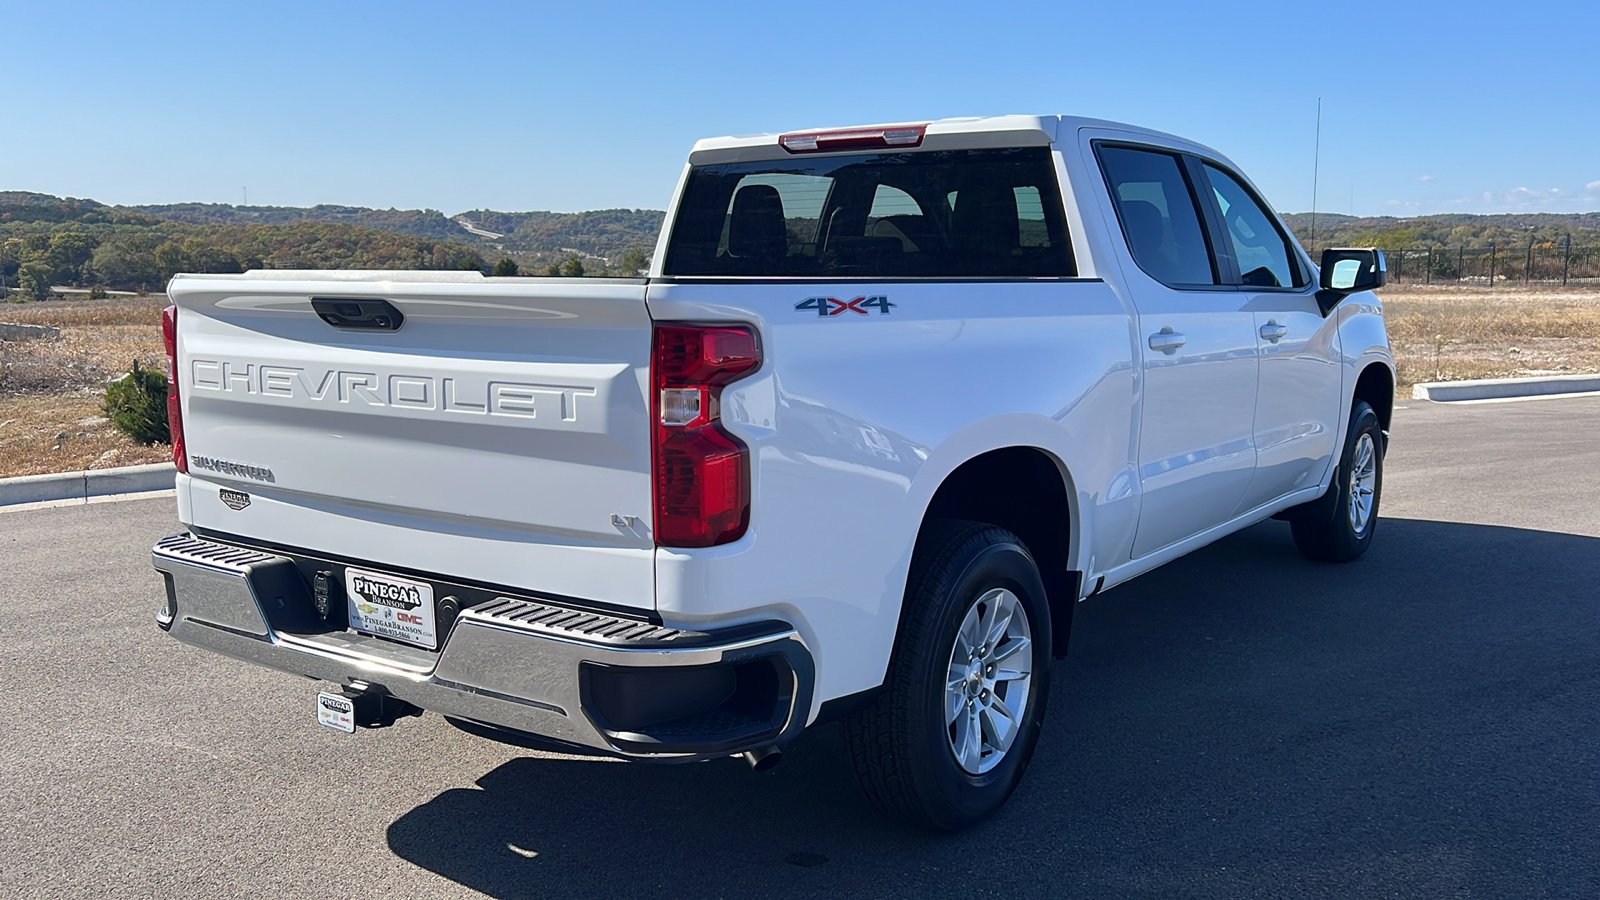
x: 1427, y: 106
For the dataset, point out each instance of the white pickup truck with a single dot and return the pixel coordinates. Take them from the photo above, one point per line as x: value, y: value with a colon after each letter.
x: 891, y: 402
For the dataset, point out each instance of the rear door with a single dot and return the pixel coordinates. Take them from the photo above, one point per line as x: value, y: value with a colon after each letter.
x: 1298, y: 396
x: 1196, y: 446
x: 499, y: 435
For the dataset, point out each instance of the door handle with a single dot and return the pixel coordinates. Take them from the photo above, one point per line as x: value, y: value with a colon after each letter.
x: 1167, y: 341
x: 1273, y: 332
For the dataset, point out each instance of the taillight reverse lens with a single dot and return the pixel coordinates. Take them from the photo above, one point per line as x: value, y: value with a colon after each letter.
x: 702, y: 473
x: 169, y: 333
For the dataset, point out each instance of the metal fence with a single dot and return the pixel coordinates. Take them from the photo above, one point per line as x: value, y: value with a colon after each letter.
x: 1547, y: 263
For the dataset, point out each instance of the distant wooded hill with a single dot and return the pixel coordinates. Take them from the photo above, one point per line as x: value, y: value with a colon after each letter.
x: 1451, y: 230
x: 47, y: 240
x: 599, y: 237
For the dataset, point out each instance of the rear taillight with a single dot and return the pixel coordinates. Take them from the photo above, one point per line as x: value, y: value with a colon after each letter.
x: 702, y: 473
x: 169, y: 333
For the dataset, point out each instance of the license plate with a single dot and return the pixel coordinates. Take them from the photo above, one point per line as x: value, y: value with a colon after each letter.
x: 391, y: 607
x: 335, y: 711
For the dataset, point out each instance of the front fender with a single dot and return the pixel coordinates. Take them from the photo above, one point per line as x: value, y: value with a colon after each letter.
x: 1363, y: 342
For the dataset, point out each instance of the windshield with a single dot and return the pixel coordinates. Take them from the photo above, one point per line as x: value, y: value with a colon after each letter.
x: 935, y: 214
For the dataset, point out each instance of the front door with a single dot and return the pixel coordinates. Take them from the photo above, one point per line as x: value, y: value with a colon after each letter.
x: 1297, y: 415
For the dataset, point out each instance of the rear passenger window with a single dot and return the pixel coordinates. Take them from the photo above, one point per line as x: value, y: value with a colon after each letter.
x: 1158, y: 215
x: 895, y: 214
x: 891, y: 201
x: 936, y: 214
x: 787, y: 206
x: 1031, y: 227
x: 1265, y: 259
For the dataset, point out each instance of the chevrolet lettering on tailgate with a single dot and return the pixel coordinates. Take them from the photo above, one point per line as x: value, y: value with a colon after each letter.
x: 445, y: 394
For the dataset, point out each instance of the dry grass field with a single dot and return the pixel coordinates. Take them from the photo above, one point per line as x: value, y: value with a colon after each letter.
x: 1453, y: 333
x: 50, y: 391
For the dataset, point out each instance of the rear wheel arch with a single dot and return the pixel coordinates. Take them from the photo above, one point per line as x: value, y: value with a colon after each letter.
x: 1026, y: 491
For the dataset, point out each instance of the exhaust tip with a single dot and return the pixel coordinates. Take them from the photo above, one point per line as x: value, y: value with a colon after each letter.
x: 763, y: 759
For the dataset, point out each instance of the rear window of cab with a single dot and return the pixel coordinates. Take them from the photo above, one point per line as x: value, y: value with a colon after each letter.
x: 928, y: 214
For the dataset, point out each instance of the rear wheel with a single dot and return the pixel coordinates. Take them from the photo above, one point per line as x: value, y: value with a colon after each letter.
x: 948, y: 740
x: 1338, y: 526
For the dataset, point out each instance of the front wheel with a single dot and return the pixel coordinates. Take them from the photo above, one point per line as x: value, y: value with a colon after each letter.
x: 1338, y: 526
x: 948, y: 740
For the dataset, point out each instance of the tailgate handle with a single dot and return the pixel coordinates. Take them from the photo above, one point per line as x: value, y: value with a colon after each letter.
x: 358, y: 315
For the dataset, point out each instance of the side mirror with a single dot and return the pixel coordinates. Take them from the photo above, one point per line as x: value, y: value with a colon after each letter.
x: 1348, y: 271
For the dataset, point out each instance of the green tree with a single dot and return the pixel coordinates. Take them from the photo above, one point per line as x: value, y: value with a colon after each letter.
x: 136, y: 404
x: 553, y: 270
x: 211, y: 260
x: 68, y: 252
x: 34, y: 277
x: 126, y: 261
x: 170, y: 260
x: 35, y: 244
x: 505, y: 267
x: 465, y: 258
x: 572, y: 268
x: 635, y: 261
x: 10, y: 259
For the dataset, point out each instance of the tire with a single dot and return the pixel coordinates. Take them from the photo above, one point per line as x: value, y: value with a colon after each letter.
x: 1332, y: 528
x: 904, y: 746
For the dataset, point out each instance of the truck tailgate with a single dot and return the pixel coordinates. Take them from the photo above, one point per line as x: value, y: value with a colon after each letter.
x: 500, y: 435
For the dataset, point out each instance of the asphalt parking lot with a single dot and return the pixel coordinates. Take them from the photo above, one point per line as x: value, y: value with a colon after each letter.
x: 1240, y: 723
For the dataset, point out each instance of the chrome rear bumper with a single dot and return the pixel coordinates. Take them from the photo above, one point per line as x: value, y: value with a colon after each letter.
x: 529, y: 666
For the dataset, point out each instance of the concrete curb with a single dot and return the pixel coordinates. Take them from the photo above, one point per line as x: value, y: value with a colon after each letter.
x: 88, y: 483
x: 10, y: 332
x: 1505, y: 388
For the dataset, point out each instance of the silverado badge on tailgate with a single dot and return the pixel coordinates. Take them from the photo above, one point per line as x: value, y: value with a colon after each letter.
x: 391, y: 607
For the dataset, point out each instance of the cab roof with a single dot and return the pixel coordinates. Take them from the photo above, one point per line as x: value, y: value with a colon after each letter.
x: 969, y: 133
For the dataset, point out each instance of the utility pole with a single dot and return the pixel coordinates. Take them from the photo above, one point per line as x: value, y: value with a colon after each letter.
x: 1316, y: 164
x: 246, y: 196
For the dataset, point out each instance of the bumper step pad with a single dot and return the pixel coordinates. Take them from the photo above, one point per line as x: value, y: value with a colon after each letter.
x: 587, y: 626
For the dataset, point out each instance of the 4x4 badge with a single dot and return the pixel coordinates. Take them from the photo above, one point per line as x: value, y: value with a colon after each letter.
x: 829, y: 306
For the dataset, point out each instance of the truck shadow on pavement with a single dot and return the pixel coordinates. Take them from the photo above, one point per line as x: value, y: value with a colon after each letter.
x: 1239, y: 722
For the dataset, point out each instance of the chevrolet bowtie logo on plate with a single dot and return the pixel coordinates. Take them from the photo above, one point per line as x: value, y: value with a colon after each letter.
x: 234, y: 499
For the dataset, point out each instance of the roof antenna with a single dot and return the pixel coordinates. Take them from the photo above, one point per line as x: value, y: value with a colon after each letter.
x: 1316, y: 163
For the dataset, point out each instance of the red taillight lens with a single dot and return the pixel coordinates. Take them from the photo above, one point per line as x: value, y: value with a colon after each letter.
x: 702, y: 473
x: 169, y: 333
